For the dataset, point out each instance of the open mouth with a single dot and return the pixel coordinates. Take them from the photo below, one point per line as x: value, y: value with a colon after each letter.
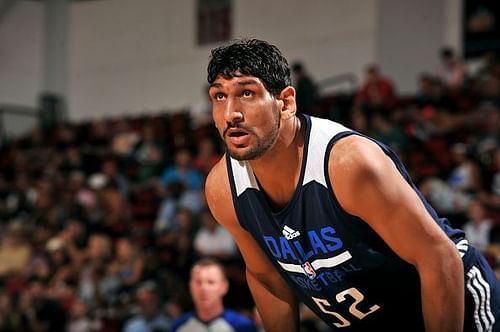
x: 237, y: 136
x: 235, y: 132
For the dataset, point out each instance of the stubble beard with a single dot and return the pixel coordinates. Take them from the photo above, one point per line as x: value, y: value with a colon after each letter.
x: 262, y: 145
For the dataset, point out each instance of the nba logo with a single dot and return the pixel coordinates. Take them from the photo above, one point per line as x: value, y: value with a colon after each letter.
x: 309, y: 270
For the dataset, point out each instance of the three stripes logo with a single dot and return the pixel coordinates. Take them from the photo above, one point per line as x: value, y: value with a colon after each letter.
x: 290, y: 233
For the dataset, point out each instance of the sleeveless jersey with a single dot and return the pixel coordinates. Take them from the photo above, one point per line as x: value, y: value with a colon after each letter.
x: 335, y: 262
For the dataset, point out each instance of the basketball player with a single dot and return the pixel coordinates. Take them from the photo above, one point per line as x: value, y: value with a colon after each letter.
x: 326, y: 216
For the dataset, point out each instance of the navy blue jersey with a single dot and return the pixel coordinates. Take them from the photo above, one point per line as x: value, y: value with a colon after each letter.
x: 335, y: 262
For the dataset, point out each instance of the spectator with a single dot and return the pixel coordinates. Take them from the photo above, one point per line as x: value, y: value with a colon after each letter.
x: 149, y: 318
x: 21, y: 198
x: 176, y: 244
x: 451, y: 69
x: 149, y: 155
x: 201, y: 113
x: 206, y: 156
x: 123, y: 139
x: 110, y: 169
x: 389, y: 133
x: 376, y: 95
x: 183, y: 171
x: 495, y: 185
x: 46, y: 312
x: 445, y: 200
x: 465, y: 175
x: 478, y: 227
x: 15, y: 250
x: 111, y: 206
x: 208, y: 286
x: 307, y: 92
x: 12, y: 319
x: 61, y: 269
x: 74, y: 238
x: 72, y: 162
x: 432, y: 92
x: 128, y: 264
x: 486, y: 137
x: 176, y: 197
x: 98, y: 255
x: 79, y: 319
x: 98, y: 138
x: 213, y: 240
x: 491, y: 196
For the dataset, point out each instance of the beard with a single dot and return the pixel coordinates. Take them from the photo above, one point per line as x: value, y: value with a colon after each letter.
x: 263, y: 143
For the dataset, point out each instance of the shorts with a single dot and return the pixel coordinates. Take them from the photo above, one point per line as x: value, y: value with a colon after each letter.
x: 482, y: 295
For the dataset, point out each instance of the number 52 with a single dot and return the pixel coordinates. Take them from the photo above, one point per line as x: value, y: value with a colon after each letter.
x: 323, y: 304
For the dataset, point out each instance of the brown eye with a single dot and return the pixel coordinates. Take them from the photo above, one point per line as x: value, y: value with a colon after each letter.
x: 247, y: 93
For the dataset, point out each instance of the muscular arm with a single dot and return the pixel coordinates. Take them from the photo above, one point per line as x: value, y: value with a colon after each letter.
x: 361, y: 172
x: 275, y: 301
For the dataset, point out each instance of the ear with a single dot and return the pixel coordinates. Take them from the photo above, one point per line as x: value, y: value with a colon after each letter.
x: 225, y: 287
x: 288, y: 106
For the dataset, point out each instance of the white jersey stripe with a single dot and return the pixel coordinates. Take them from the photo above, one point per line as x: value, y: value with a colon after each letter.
x: 487, y: 305
x: 292, y: 267
x: 481, y: 294
x: 462, y: 247
x: 475, y: 296
x: 463, y: 244
x: 332, y: 261
x: 316, y: 149
x: 482, y: 298
x: 243, y: 176
x: 318, y: 263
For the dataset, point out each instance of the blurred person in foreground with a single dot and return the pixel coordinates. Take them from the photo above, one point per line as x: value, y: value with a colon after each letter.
x: 329, y: 217
x: 208, y: 286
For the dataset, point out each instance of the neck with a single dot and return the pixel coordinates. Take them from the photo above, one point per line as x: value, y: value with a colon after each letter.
x: 212, y: 312
x: 285, y: 147
x: 285, y: 159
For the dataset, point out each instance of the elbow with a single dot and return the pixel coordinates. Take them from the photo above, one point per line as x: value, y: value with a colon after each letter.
x: 443, y: 260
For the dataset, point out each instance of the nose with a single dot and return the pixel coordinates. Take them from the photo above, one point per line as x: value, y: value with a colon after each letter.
x: 232, y: 113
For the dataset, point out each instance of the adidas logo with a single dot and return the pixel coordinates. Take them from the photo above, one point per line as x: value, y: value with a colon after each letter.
x: 289, y: 233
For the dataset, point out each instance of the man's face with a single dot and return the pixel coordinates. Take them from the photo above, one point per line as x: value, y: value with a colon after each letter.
x: 246, y: 115
x: 208, y: 286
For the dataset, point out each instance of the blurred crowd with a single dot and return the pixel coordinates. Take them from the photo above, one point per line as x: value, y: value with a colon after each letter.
x: 101, y: 221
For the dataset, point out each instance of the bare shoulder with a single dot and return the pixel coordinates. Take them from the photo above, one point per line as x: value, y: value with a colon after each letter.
x: 355, y: 164
x: 218, y: 194
x: 217, y: 182
x: 355, y: 154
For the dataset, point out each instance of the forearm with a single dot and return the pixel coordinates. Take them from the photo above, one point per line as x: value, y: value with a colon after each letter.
x: 278, y: 309
x: 443, y: 294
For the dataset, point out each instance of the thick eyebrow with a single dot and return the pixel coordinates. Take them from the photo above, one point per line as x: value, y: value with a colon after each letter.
x: 249, y: 81
x: 215, y: 85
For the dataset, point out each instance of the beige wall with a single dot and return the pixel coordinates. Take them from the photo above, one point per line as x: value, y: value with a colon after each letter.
x: 140, y: 55
x: 127, y: 57
x: 21, y: 58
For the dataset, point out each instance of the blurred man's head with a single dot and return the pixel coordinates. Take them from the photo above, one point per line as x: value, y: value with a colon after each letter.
x: 147, y: 299
x: 208, y: 284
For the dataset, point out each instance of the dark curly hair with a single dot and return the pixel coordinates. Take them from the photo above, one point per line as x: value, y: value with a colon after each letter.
x: 251, y: 57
